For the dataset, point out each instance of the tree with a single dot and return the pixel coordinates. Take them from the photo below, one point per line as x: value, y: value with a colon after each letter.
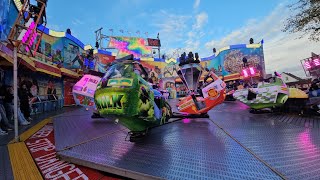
x: 306, y: 20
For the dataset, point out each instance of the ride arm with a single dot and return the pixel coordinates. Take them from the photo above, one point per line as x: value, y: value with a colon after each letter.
x: 268, y: 79
x: 210, y: 75
x: 144, y: 71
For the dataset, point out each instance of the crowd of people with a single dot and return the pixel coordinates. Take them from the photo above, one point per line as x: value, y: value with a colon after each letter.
x: 184, y: 59
x: 27, y: 92
x: 240, y: 84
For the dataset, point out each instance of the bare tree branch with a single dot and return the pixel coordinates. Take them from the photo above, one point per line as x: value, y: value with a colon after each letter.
x: 307, y: 21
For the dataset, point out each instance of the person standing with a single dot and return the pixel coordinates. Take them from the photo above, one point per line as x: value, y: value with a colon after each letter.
x: 51, y: 91
x: 34, y: 92
x: 8, y: 103
x: 25, y: 95
x: 9, y: 108
x: 5, y: 122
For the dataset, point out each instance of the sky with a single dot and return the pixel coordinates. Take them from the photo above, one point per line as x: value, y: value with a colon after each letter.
x: 190, y: 25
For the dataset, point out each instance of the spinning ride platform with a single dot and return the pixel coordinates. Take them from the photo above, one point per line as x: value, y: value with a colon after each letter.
x: 186, y: 149
x: 231, y: 144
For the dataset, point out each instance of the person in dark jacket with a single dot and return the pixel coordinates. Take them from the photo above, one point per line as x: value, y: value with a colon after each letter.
x: 25, y: 95
x: 10, y: 109
x: 5, y: 122
x: 8, y: 103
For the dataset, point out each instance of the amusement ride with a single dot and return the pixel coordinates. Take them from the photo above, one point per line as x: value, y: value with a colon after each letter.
x: 124, y: 95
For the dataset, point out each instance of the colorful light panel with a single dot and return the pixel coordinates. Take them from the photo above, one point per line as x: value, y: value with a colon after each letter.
x: 308, y: 64
x: 130, y: 45
x: 245, y: 73
x: 27, y: 35
x: 252, y: 71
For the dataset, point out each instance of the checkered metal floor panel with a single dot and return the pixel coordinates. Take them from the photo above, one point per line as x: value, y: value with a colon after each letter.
x: 195, y: 149
x: 295, y: 119
x: 292, y: 150
x: 77, y: 127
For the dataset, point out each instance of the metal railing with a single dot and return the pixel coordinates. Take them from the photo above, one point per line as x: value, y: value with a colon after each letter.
x: 45, y: 104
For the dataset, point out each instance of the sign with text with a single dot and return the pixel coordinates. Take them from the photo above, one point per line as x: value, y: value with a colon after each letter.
x: 311, y: 66
x: 43, y: 151
x: 154, y: 42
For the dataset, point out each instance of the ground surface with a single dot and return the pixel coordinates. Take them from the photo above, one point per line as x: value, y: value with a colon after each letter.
x: 231, y: 144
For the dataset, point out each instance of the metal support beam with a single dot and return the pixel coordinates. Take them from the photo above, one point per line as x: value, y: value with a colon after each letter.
x: 100, y: 37
x: 15, y: 94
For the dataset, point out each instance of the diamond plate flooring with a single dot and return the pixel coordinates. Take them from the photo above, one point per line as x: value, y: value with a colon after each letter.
x: 297, y: 120
x: 78, y: 127
x: 195, y: 149
x: 294, y: 150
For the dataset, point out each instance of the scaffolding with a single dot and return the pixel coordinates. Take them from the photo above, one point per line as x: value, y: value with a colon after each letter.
x: 25, y: 32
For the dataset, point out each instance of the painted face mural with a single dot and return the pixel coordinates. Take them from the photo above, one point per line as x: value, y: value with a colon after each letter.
x: 230, y: 61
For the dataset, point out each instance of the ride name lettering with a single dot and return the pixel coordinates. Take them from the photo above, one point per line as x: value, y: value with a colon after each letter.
x: 44, y: 132
x: 112, y: 101
x: 53, y: 168
x: 41, y: 145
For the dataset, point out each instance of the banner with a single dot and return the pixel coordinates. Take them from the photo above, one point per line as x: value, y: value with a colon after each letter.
x: 130, y: 45
x: 229, y: 60
x: 8, y: 14
x: 102, y: 61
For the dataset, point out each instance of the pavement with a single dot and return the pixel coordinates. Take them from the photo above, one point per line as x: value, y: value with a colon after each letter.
x: 5, y: 165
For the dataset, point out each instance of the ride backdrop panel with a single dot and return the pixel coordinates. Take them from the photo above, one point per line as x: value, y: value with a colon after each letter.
x: 154, y: 70
x: 130, y: 45
x: 229, y: 61
x: 50, y: 49
x: 73, y: 55
x: 8, y: 16
x: 102, y: 61
x: 60, y: 50
x: 170, y: 70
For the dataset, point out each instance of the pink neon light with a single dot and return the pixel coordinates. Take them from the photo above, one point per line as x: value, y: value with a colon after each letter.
x: 252, y: 71
x: 307, y: 65
x: 27, y: 35
x: 33, y: 38
x: 245, y: 73
x: 316, y: 62
x: 24, y: 39
x: 306, y: 144
x: 186, y: 120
